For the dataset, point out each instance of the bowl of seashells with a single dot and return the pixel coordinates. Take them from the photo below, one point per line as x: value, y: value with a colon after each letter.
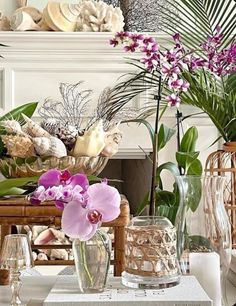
x: 62, y: 139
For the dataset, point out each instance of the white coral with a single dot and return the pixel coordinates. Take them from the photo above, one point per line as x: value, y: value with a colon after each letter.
x: 97, y: 16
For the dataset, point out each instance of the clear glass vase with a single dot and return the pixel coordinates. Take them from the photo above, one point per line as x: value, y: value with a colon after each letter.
x: 204, y: 233
x: 150, y: 253
x: 92, y: 262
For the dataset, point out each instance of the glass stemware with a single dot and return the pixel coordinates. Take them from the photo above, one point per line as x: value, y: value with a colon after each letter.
x: 16, y: 255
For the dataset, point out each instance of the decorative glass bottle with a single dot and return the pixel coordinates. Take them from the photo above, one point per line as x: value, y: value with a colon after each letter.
x: 150, y: 253
x: 204, y: 232
x: 92, y: 262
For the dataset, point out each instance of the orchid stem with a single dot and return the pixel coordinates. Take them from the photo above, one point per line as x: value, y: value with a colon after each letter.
x: 152, y: 206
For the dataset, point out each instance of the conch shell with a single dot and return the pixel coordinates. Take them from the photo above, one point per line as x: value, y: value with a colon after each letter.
x: 112, y: 139
x: 91, y: 143
x: 18, y: 146
x: 22, y: 21
x: 12, y: 127
x: 34, y: 129
x: 49, y: 146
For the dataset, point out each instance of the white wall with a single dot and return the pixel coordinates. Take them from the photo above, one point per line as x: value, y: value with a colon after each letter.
x: 8, y: 6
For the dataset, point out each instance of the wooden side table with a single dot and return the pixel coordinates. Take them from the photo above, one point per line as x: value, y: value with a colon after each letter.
x: 18, y: 211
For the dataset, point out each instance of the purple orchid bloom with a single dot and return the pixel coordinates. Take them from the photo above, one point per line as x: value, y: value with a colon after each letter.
x: 103, y: 205
x: 50, y: 178
x: 114, y: 42
x: 173, y: 100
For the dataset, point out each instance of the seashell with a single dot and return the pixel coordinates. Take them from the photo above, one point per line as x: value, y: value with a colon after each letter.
x: 97, y: 16
x: 34, y: 129
x: 4, y: 23
x: 45, y: 237
x: 22, y: 21
x: 50, y: 125
x: 91, y: 143
x: 112, y: 140
x: 61, y: 16
x: 35, y: 14
x: 12, y: 127
x: 59, y: 254
x: 34, y: 255
x: 49, y: 146
x: 68, y: 135
x: 36, y: 230
x: 42, y: 256
x: 18, y: 146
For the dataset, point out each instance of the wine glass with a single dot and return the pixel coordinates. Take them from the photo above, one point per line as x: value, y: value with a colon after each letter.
x: 16, y: 255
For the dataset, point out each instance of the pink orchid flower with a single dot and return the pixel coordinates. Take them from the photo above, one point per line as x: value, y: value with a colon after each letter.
x: 84, y: 207
x: 103, y: 205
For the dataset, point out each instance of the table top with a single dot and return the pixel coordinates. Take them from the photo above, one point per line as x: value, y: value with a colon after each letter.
x: 36, y: 289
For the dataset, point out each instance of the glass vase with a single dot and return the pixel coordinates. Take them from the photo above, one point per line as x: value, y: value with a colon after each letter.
x: 150, y: 253
x: 204, y: 233
x: 92, y: 262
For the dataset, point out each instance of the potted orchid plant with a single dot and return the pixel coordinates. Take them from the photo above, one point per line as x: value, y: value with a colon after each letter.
x: 169, y: 73
x: 84, y: 207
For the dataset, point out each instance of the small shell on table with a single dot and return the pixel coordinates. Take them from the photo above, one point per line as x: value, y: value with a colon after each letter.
x: 22, y: 21
x: 91, y: 143
x: 59, y: 254
x: 49, y: 146
x: 112, y: 139
x: 34, y: 129
x: 42, y: 256
x: 12, y: 127
x: 18, y: 146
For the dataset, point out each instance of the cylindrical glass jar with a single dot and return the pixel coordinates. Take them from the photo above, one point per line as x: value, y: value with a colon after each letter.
x: 150, y: 253
x: 204, y: 232
x: 92, y: 262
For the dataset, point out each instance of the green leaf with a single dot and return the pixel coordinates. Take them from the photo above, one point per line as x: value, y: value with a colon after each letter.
x: 169, y: 166
x: 164, y: 135
x: 168, y: 212
x: 165, y: 198
x: 194, y: 194
x: 189, y: 140
x: 27, y: 109
x: 143, y: 204
x: 185, y: 160
x: 8, y: 184
x: 195, y: 168
x: 11, y: 191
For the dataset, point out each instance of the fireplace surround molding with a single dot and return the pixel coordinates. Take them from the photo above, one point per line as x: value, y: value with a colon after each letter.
x: 34, y: 64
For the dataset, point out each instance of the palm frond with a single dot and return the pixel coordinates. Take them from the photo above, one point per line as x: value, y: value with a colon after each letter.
x: 197, y: 19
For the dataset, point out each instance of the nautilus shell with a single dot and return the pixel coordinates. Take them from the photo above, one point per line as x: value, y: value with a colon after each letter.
x: 91, y: 143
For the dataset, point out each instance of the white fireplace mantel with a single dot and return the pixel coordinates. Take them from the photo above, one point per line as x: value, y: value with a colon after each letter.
x: 34, y: 63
